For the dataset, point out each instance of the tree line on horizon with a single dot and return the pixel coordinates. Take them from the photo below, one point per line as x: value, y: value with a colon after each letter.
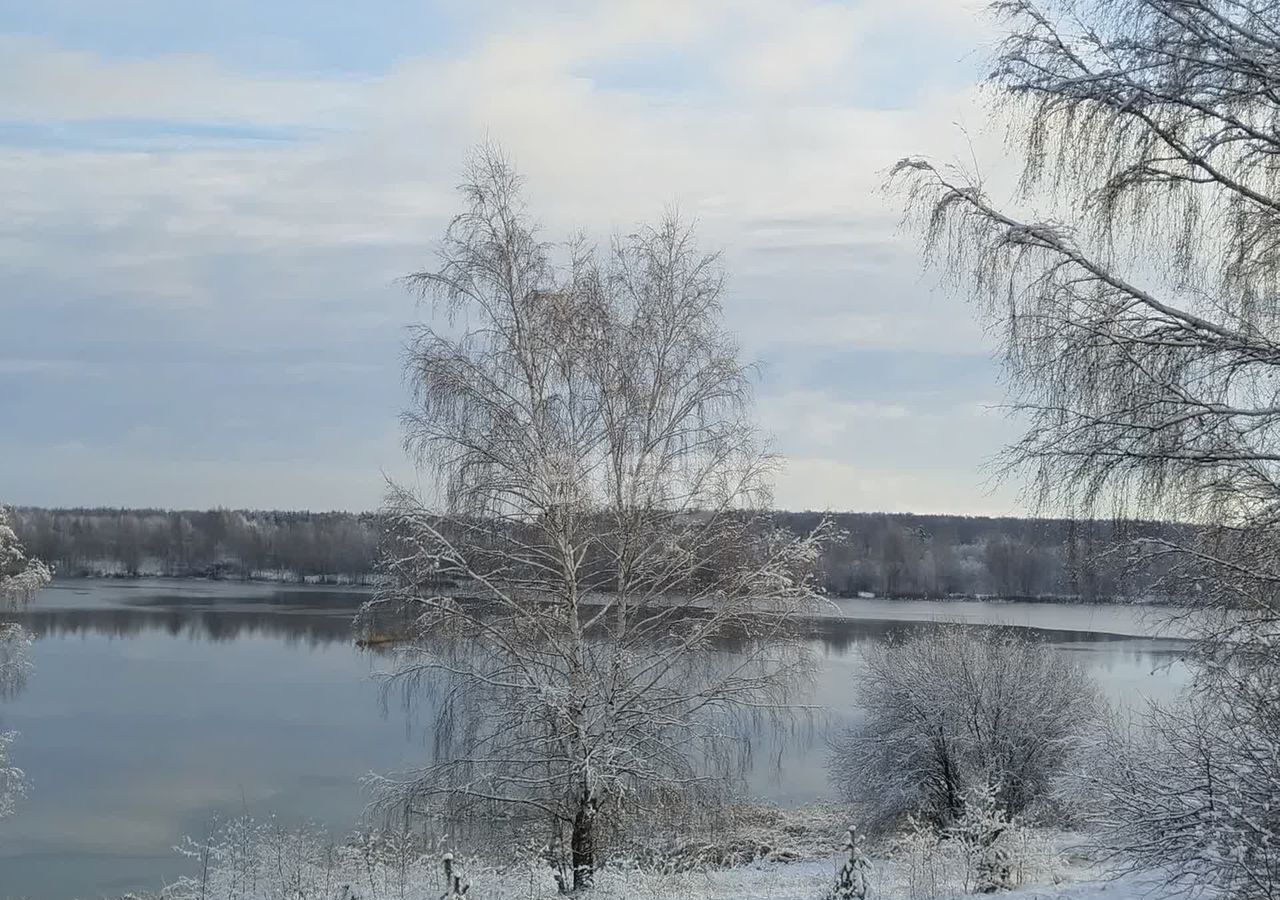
x: 882, y: 554
x: 219, y: 543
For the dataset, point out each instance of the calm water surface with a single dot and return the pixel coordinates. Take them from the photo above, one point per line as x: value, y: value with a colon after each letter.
x: 158, y: 706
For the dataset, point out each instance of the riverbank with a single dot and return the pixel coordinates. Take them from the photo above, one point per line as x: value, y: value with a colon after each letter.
x: 223, y: 574
x: 371, y: 580
x: 809, y: 880
x: 795, y: 860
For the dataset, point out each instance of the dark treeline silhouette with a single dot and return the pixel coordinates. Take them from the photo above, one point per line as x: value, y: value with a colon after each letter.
x: 908, y: 555
x: 328, y: 546
x: 887, y: 555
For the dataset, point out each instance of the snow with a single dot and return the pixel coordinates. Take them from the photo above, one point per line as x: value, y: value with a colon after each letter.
x: 262, y: 861
x: 811, y: 880
x: 807, y: 880
x: 1128, y: 887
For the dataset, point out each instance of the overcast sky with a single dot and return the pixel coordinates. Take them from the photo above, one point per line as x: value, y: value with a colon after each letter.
x: 206, y: 206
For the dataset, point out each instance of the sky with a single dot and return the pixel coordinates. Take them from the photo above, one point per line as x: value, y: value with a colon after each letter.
x: 207, y: 206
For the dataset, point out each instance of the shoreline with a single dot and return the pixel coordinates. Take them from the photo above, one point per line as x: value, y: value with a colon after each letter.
x: 371, y: 580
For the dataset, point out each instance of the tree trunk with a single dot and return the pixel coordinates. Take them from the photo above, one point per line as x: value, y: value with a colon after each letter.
x: 584, y: 843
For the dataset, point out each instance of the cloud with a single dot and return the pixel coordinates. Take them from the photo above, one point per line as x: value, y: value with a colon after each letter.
x: 44, y: 367
x: 181, y: 200
x: 824, y: 420
x: 42, y: 82
x: 837, y: 486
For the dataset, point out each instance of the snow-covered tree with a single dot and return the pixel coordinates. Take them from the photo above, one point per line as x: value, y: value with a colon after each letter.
x: 981, y: 832
x: 949, y: 710
x: 1190, y: 791
x: 853, y: 881
x: 20, y: 578
x: 1138, y: 309
x: 455, y: 887
x: 592, y: 548
x: 13, y: 781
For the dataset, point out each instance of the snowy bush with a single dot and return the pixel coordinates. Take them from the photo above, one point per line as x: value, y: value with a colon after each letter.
x: 853, y: 881
x: 982, y: 835
x: 244, y: 859
x: 922, y: 867
x: 455, y: 887
x: 263, y: 860
x: 984, y: 851
x: 1192, y: 793
x: 949, y: 710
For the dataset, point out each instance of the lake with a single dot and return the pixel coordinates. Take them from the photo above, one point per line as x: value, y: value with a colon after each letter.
x: 158, y: 706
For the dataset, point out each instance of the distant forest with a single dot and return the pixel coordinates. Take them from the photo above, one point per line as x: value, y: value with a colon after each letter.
x: 221, y: 543
x: 887, y: 555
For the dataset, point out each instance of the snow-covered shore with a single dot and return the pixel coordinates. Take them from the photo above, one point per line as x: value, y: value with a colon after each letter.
x: 803, y: 880
x: 809, y: 880
x: 766, y: 855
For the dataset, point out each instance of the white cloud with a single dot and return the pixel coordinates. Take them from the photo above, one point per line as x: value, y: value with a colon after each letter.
x: 832, y: 485
x: 145, y: 470
x: 767, y: 149
x: 824, y: 420
x: 41, y: 82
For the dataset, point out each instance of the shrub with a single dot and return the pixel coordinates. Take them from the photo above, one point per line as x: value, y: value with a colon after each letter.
x: 953, y: 710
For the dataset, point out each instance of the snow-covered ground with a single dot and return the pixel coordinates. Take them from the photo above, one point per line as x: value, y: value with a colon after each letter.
x: 780, y: 855
x: 807, y: 880
x: 803, y: 880
x: 1130, y: 887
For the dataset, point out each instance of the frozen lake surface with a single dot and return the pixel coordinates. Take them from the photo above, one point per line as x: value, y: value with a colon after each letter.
x: 158, y: 706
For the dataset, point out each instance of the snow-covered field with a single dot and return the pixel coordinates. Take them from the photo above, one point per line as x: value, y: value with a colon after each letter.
x: 261, y: 861
x: 1130, y: 887
x: 808, y: 880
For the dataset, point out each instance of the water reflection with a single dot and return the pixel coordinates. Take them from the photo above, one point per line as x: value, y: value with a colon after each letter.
x: 222, y: 612
x: 206, y: 611
x: 157, y: 705
x: 840, y: 636
x: 214, y: 625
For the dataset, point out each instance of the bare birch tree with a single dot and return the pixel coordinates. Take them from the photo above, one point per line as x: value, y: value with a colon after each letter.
x: 595, y: 593
x: 1139, y: 318
x: 20, y: 578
